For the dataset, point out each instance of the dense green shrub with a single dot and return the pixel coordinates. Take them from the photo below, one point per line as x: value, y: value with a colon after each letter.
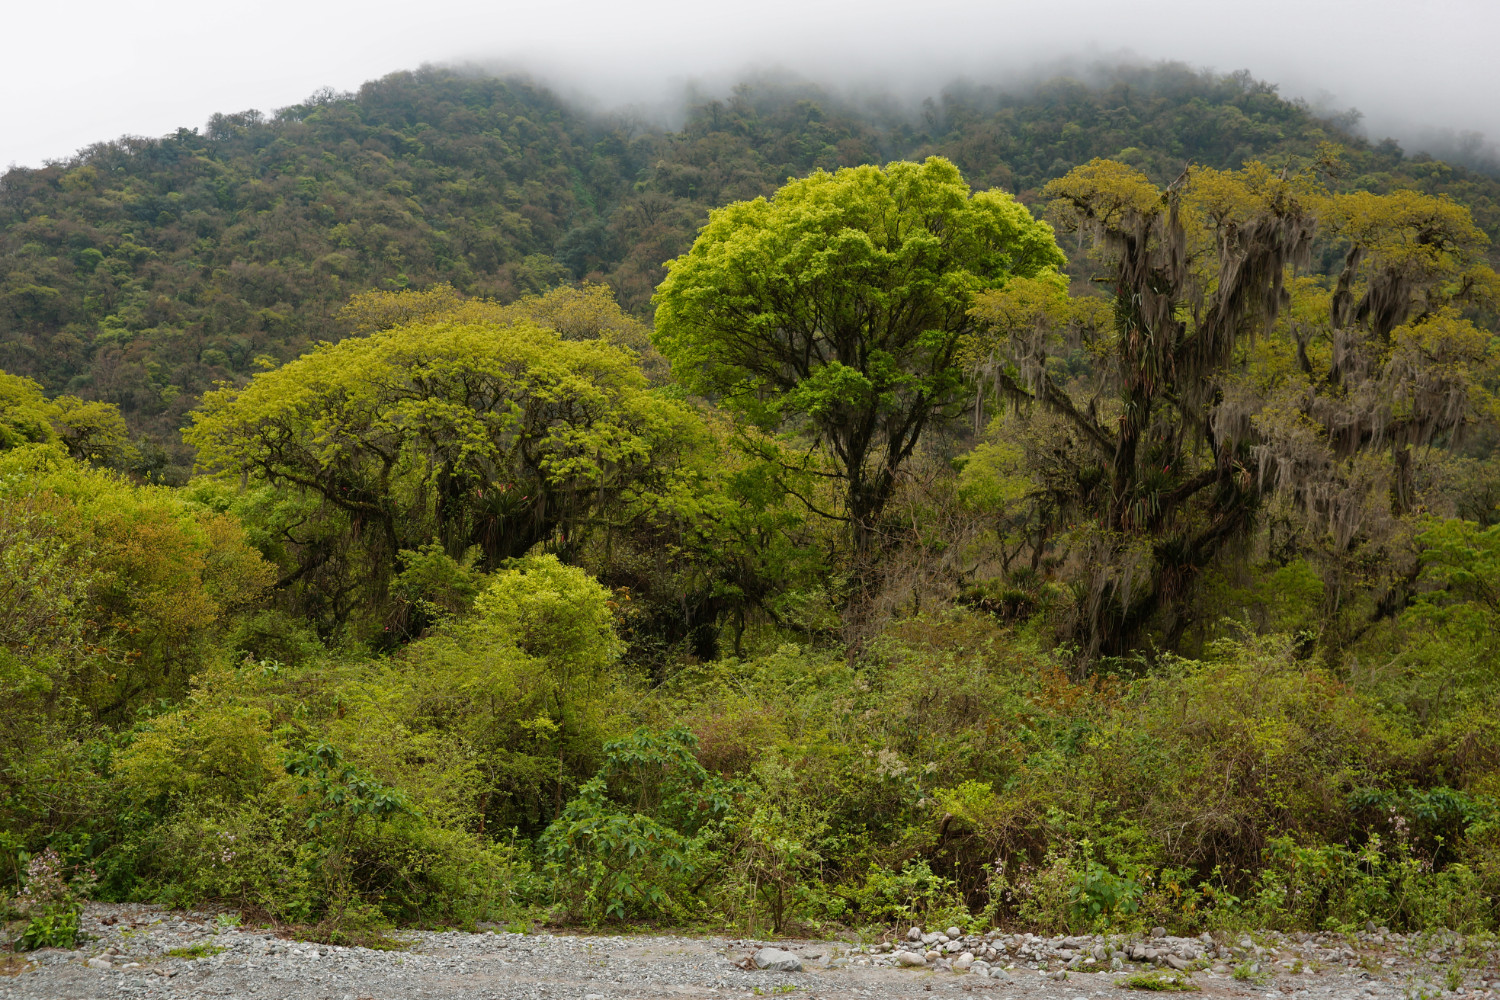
x: 634, y: 850
x: 508, y: 767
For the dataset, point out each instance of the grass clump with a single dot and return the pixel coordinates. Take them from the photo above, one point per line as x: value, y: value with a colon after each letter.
x: 200, y: 950
x: 1247, y: 972
x: 1159, y: 982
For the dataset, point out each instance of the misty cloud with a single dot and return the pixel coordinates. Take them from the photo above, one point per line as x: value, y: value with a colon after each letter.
x: 1417, y: 69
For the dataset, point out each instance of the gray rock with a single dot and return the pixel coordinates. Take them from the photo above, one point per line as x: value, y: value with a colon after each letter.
x: 910, y: 959
x: 99, y: 963
x: 452, y: 965
x: 777, y: 960
x: 954, y: 932
x: 914, y: 934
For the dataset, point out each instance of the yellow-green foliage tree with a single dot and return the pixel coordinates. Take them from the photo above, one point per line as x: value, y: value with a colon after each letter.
x: 584, y: 312
x: 836, y: 308
x: 25, y: 416
x: 116, y: 586
x: 475, y: 436
x: 706, y: 535
x: 88, y: 429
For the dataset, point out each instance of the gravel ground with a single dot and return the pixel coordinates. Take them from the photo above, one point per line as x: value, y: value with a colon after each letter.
x: 143, y: 951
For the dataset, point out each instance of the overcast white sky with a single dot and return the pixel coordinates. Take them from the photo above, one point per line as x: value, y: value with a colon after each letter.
x: 88, y: 70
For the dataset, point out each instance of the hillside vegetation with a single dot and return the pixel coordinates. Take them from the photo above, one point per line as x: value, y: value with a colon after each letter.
x: 1075, y: 510
x: 143, y: 271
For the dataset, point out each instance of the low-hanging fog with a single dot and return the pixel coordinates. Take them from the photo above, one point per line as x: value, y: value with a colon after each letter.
x: 1421, y: 70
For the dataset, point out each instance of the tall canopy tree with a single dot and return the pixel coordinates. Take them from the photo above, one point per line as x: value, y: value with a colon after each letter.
x: 836, y: 308
x: 1208, y: 384
x: 479, y: 438
x: 88, y: 429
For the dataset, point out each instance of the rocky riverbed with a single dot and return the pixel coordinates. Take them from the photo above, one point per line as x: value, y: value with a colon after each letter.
x: 143, y: 951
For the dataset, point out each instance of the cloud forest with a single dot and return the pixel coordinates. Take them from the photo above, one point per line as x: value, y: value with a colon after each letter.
x: 1073, y: 510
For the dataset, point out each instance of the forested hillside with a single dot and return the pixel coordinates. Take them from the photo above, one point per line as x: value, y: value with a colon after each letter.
x: 143, y: 271
x: 1070, y: 510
